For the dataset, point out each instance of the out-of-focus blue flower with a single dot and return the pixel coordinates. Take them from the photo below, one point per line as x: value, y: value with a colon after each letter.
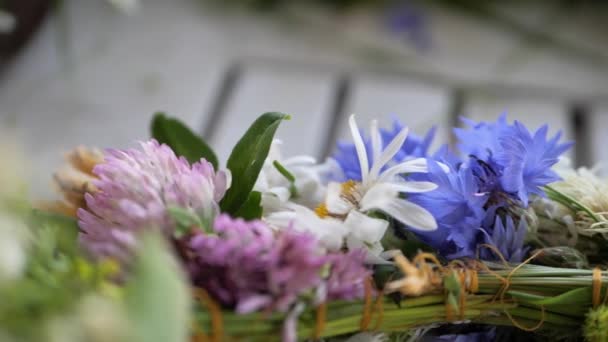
x: 506, y: 237
x: 471, y: 337
x: 412, y: 22
x: 477, y: 336
x: 347, y: 159
x: 414, y: 147
x: 476, y: 333
x: 458, y: 207
x: 527, y: 159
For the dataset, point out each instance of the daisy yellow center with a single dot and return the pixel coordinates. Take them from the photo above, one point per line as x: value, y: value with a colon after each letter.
x: 322, y: 211
x: 349, y: 187
x: 348, y: 191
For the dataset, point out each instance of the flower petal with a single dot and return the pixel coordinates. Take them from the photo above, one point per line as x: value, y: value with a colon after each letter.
x: 376, y: 147
x: 389, y: 152
x: 329, y: 231
x: 401, y: 210
x: 359, y: 146
x: 414, y: 187
x: 334, y: 201
x: 374, y: 253
x: 365, y: 228
x: 410, y: 166
x: 379, y: 192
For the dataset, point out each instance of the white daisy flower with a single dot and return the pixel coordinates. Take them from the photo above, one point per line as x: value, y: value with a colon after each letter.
x: 381, y: 190
x: 297, y: 179
x: 342, y: 220
x: 329, y: 231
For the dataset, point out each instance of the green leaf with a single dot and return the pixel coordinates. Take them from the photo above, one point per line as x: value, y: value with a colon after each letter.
x: 453, y: 301
x: 247, y: 159
x: 451, y: 283
x: 181, y: 139
x: 283, y: 171
x: 157, y: 297
x: 289, y: 176
x: 569, y: 202
x: 252, y: 208
x: 572, y: 297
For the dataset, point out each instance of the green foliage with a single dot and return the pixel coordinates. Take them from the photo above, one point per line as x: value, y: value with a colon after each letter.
x: 157, y: 297
x: 573, y: 297
x: 64, y: 229
x: 569, y: 202
x: 54, y: 280
x: 453, y: 287
x: 596, y: 325
x: 562, y: 256
x: 289, y: 176
x: 252, y: 208
x: 247, y: 158
x: 181, y: 139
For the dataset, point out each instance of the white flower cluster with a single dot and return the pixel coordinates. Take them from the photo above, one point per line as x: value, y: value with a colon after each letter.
x: 299, y: 193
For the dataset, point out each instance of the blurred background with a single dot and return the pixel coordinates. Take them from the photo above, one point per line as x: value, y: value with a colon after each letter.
x: 93, y: 72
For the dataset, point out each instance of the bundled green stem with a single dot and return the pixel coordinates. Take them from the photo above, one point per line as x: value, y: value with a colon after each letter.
x: 532, y: 298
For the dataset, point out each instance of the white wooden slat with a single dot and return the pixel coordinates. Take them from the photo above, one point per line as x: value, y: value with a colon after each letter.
x: 101, y: 93
x: 416, y: 105
x: 532, y: 113
x: 598, y: 129
x: 305, y: 95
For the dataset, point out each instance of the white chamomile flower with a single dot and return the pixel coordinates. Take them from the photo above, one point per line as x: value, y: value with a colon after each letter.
x: 379, y: 190
x: 329, y: 231
x: 297, y: 179
x: 591, y: 191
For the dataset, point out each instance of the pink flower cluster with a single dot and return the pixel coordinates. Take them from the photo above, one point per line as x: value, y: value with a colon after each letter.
x: 248, y: 266
x: 135, y: 189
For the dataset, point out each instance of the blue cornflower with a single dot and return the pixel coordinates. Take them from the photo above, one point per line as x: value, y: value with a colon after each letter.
x: 527, y: 160
x: 480, y: 139
x: 458, y: 208
x: 445, y: 155
x: 414, y: 147
x: 510, y: 160
x: 506, y: 237
x: 348, y: 160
